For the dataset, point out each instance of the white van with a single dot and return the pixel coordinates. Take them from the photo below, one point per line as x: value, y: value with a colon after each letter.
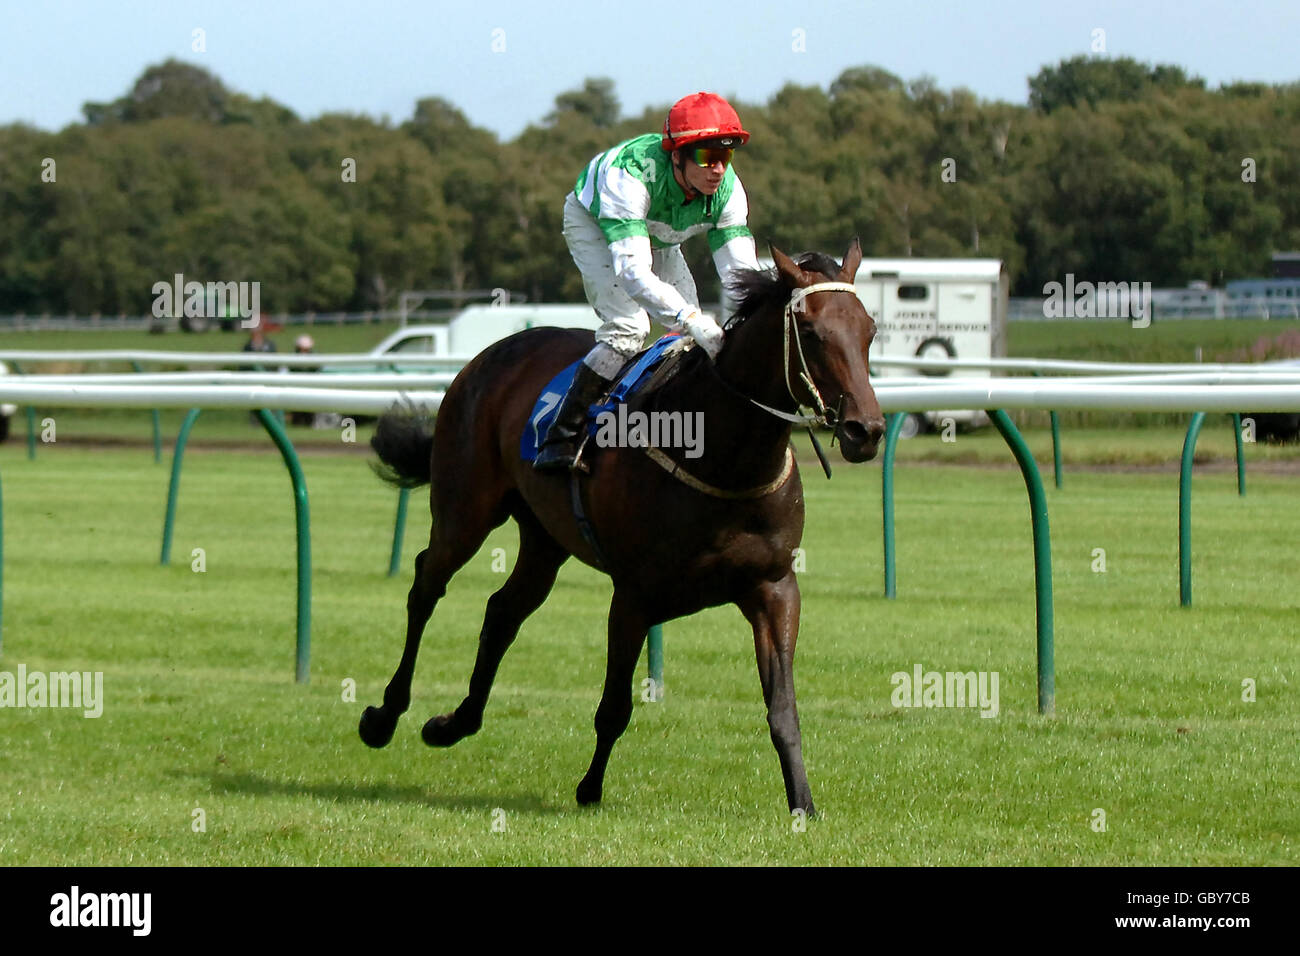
x: 475, y: 327
x: 934, y: 308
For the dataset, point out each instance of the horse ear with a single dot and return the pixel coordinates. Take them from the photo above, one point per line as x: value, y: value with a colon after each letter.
x: 788, y: 269
x: 852, y: 259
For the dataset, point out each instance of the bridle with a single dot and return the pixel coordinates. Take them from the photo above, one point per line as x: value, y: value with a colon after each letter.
x: 823, y: 415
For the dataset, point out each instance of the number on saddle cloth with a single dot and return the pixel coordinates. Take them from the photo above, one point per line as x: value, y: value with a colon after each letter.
x: 632, y: 378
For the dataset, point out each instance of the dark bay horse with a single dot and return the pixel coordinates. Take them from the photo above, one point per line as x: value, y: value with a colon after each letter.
x: 720, y: 531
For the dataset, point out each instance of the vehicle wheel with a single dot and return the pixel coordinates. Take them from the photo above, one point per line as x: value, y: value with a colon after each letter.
x: 935, y: 348
x: 913, y: 425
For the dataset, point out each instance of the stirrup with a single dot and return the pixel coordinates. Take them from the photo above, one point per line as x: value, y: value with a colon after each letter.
x: 559, y: 455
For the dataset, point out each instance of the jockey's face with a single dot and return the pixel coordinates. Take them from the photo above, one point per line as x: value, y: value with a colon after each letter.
x: 702, y: 179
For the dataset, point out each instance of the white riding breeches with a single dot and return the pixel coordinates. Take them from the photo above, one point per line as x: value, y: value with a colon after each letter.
x: 624, y: 323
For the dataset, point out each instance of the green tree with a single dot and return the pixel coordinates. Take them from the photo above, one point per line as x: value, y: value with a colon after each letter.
x: 595, y: 101
x: 172, y: 88
x: 1093, y: 80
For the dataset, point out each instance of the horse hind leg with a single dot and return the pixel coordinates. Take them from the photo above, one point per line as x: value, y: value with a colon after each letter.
x: 452, y: 542
x: 527, y: 587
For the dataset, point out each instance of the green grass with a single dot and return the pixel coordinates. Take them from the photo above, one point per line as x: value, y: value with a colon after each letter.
x: 1153, y: 446
x: 1165, y: 340
x: 201, y: 711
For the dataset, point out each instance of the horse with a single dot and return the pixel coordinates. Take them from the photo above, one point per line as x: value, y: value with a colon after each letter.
x: 675, y: 535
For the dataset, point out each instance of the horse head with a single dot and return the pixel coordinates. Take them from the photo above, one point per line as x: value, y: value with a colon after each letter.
x: 830, y: 333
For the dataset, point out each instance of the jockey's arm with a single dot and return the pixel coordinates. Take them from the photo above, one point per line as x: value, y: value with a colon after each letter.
x: 632, y: 262
x: 633, y: 269
x: 735, y: 253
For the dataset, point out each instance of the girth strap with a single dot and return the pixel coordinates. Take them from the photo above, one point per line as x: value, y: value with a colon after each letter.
x: 584, y: 523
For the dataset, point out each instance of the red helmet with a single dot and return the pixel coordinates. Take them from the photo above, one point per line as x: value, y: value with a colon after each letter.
x: 700, y: 117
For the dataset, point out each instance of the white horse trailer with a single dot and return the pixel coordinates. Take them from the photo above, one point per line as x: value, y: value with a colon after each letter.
x: 934, y: 308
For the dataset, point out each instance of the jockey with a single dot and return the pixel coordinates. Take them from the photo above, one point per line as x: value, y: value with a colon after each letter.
x: 624, y: 222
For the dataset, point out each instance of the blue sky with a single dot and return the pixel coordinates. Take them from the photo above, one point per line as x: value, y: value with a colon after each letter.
x: 503, y: 63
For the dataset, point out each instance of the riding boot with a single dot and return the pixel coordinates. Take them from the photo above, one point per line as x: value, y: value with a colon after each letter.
x: 560, y: 447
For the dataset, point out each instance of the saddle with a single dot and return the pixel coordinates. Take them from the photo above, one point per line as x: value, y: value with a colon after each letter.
x: 642, y: 374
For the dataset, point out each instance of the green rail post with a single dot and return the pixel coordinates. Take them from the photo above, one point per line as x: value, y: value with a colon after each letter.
x: 174, y: 486
x: 31, y: 433
x: 157, y: 424
x: 1185, y: 510
x: 893, y: 426
x: 31, y: 419
x: 1056, y: 440
x: 1042, y: 558
x: 1241, y: 456
x: 655, y: 654
x: 1056, y: 446
x: 399, y: 528
x: 303, y: 520
x: 2, y: 572
x: 301, y: 515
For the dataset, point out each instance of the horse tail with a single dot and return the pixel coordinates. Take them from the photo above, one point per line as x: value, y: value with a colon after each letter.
x: 404, y: 444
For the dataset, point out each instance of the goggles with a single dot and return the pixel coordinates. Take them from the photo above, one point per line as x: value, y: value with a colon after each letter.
x: 706, y: 156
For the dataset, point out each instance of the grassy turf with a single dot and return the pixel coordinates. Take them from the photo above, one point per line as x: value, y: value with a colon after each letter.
x: 1166, y: 340
x: 201, y: 711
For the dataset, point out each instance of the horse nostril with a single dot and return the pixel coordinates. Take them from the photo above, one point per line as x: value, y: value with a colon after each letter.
x: 876, y: 430
x: 856, y: 433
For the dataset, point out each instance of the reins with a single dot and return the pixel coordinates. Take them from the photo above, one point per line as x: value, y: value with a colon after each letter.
x: 823, y: 415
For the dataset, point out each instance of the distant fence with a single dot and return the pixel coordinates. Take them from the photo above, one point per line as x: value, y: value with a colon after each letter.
x: 313, y: 361
x: 1194, y: 388
x: 1033, y: 309
x: 147, y: 323
x: 1019, y: 309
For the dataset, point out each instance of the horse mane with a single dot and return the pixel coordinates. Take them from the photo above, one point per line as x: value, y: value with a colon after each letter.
x: 755, y: 289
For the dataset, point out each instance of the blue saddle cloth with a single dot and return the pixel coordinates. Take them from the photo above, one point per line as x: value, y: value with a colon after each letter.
x: 548, y: 403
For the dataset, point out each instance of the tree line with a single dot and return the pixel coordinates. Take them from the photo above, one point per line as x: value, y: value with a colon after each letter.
x: 1113, y: 170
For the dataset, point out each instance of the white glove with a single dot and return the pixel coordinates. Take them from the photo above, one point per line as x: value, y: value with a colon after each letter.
x: 706, y: 333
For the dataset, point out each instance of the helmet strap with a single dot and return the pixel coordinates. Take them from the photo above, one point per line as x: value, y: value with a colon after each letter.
x: 685, y: 184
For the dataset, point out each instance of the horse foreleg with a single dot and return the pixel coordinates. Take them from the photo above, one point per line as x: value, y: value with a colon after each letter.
x: 378, y: 723
x: 627, y: 631
x: 527, y: 587
x: 772, y: 609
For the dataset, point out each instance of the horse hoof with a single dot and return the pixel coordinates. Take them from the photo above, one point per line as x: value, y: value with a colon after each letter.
x: 441, y: 731
x: 588, y: 792
x: 376, y: 728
